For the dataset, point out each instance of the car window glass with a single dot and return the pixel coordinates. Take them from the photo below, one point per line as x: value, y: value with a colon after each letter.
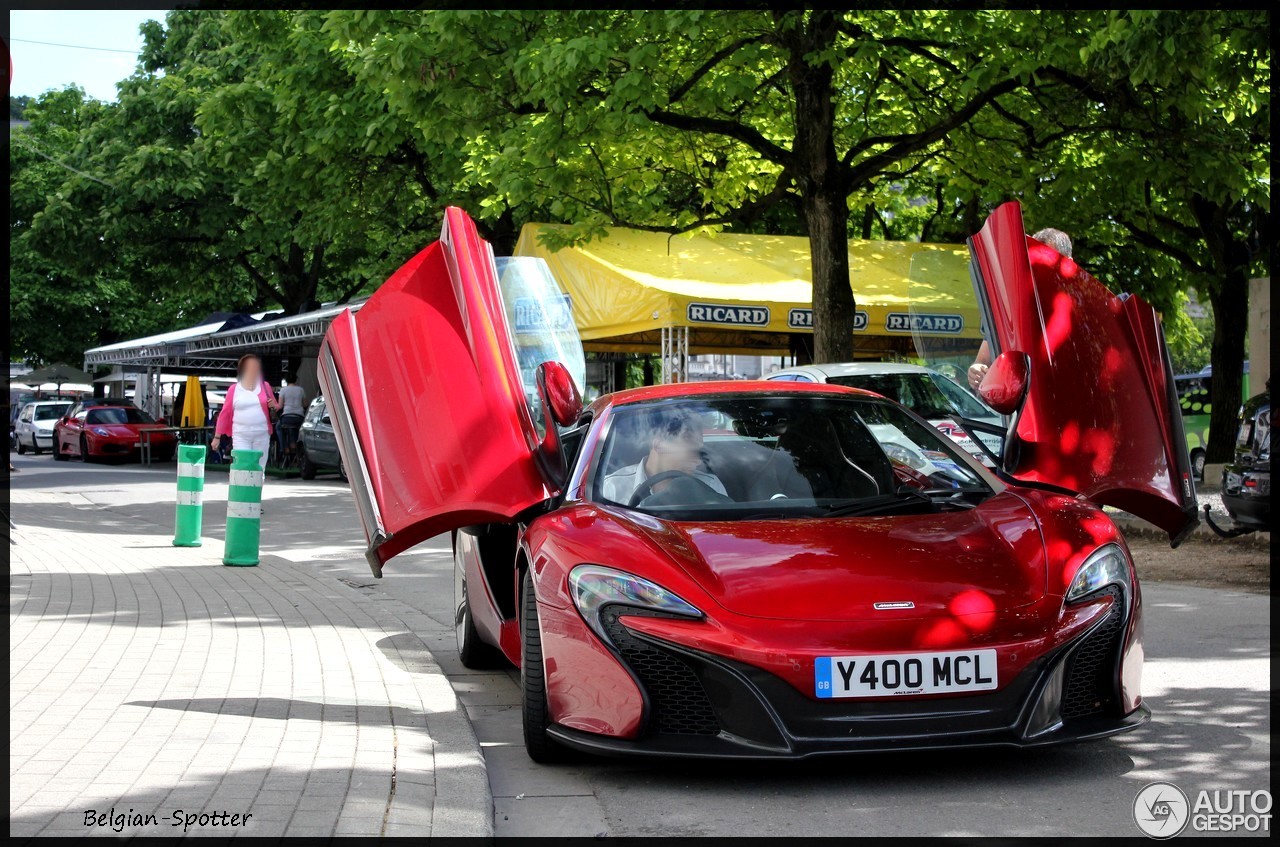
x: 540, y: 317
x: 730, y: 457
x: 118, y: 415
x: 962, y: 402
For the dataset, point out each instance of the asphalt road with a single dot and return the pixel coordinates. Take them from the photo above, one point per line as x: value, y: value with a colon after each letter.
x: 1207, y: 680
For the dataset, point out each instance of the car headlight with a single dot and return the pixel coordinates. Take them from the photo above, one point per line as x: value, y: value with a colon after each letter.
x: 100, y: 431
x: 1108, y: 565
x: 593, y: 587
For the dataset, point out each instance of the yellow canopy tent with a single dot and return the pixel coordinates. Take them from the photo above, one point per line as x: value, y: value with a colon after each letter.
x: 750, y: 293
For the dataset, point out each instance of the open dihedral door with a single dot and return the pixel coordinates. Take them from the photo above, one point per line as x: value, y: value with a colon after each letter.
x: 1100, y: 413
x: 431, y: 390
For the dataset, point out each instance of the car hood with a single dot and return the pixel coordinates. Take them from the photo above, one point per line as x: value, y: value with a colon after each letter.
x: 972, y: 562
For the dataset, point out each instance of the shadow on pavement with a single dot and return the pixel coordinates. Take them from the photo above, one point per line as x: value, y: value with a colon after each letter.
x: 279, y: 708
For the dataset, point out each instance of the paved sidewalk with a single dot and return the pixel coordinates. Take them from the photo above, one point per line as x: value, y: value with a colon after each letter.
x: 147, y: 679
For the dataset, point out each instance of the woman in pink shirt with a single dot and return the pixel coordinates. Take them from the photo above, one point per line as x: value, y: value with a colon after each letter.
x: 246, y: 411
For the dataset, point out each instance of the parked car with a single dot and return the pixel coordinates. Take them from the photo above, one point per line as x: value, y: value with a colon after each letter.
x: 98, y: 432
x: 929, y: 394
x: 97, y: 402
x: 1246, y: 482
x: 1196, y: 401
x: 34, y: 428
x: 318, y: 446
x: 743, y: 569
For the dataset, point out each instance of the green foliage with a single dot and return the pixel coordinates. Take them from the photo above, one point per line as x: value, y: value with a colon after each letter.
x: 59, y: 307
x: 18, y: 106
x: 267, y: 159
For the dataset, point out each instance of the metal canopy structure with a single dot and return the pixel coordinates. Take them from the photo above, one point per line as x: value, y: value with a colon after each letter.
x: 283, y: 335
x: 207, y: 348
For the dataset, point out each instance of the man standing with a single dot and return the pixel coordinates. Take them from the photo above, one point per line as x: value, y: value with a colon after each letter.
x: 292, y: 409
x: 1050, y: 237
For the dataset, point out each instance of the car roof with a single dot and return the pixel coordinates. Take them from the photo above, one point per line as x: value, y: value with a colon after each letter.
x: 47, y: 403
x: 728, y: 387
x: 856, y: 369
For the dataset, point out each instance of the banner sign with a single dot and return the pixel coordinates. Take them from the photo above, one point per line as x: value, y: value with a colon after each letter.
x: 709, y: 313
x: 803, y: 319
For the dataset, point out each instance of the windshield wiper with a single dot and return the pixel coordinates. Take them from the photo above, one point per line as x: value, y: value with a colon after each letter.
x: 883, y: 502
x: 904, y: 497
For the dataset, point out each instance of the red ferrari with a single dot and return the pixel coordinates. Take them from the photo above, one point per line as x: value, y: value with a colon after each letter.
x: 770, y: 569
x: 100, y: 432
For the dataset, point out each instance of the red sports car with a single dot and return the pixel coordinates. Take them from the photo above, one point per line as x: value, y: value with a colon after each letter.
x: 770, y: 569
x: 100, y: 432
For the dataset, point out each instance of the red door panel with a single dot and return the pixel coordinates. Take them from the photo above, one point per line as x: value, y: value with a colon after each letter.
x: 431, y: 417
x: 1100, y: 416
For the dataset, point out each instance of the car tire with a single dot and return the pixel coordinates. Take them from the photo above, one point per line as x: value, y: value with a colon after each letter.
x: 473, y: 652
x: 22, y: 448
x: 84, y: 449
x: 1197, y: 464
x: 35, y: 447
x: 306, y: 469
x: 58, y: 454
x: 535, y: 711
x: 342, y: 472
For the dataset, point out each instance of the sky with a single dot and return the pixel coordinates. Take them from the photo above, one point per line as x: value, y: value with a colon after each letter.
x: 39, y: 67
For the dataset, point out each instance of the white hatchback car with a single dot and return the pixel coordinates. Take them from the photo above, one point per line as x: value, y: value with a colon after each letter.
x: 33, y: 430
x: 929, y: 394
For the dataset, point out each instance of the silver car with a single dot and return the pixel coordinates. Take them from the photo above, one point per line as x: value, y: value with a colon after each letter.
x: 928, y: 393
x: 33, y: 430
x: 318, y: 444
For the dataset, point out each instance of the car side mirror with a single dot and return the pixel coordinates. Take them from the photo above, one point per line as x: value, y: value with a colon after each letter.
x: 561, y: 407
x: 1005, y: 384
x: 559, y: 393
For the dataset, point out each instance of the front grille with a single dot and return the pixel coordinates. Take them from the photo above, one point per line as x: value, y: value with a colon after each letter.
x: 1090, y: 684
x: 678, y: 702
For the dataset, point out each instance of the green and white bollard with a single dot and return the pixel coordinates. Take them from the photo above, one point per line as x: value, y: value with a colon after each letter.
x: 244, y: 509
x: 190, y: 509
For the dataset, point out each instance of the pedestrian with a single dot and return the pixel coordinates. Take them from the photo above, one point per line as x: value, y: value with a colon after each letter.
x: 1050, y: 237
x: 293, y: 404
x: 246, y: 411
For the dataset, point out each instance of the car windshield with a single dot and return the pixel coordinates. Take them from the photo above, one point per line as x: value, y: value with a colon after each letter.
x: 786, y: 455
x: 919, y: 392
x: 118, y: 415
x: 51, y: 412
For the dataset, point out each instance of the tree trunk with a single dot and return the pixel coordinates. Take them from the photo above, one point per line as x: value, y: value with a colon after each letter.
x: 1231, y: 258
x: 1230, y: 300
x: 821, y: 182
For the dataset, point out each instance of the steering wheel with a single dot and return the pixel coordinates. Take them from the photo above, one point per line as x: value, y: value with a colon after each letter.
x: 644, y: 489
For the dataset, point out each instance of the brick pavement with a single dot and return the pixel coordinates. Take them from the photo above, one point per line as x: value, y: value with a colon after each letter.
x: 147, y: 679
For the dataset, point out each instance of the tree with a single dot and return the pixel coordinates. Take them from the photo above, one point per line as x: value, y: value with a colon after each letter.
x: 683, y: 119
x: 241, y: 160
x: 59, y: 308
x: 1153, y: 150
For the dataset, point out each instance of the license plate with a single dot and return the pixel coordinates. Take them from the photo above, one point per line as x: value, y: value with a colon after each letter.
x: 904, y: 674
x: 137, y: 444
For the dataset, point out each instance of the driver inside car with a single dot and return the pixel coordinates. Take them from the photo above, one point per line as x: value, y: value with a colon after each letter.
x: 675, y: 447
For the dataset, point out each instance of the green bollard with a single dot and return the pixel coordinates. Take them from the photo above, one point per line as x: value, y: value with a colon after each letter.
x: 244, y: 509
x: 190, y: 509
